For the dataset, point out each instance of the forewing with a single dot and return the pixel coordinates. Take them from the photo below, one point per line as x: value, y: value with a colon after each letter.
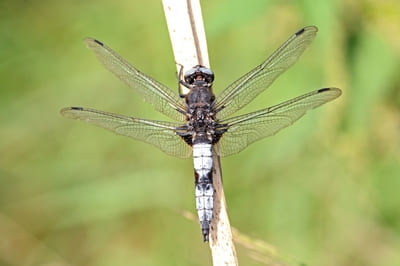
x: 246, y: 88
x: 246, y: 129
x: 158, y: 133
x: 161, y: 97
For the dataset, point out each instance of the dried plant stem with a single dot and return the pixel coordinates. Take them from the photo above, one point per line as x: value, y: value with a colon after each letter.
x: 185, y: 25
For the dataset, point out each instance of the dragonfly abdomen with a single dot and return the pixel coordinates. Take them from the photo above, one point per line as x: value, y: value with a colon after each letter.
x: 204, y: 191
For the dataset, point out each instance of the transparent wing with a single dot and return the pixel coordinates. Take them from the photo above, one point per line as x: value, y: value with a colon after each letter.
x: 246, y: 129
x: 158, y: 133
x: 246, y: 88
x: 161, y: 97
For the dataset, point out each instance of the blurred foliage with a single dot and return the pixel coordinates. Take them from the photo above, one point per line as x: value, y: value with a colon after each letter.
x: 324, y: 191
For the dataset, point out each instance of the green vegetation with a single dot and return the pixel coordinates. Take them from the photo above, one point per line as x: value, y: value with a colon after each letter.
x: 324, y: 191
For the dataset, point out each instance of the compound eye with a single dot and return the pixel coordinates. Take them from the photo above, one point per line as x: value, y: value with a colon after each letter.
x: 193, y: 73
x: 208, y: 74
x: 189, y: 75
x: 206, y: 71
x: 190, y: 72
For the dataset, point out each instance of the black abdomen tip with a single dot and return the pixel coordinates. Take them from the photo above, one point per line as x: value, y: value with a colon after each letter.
x: 205, y: 236
x: 76, y: 108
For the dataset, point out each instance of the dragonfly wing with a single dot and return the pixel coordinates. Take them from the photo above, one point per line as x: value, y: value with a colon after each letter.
x: 243, y: 130
x: 246, y: 88
x: 161, y: 97
x: 161, y: 134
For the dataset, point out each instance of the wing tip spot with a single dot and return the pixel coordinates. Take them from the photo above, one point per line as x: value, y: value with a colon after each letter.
x: 98, y: 42
x: 337, y: 90
x: 91, y: 41
x: 300, y: 31
x: 66, y: 111
x: 323, y: 89
x: 308, y: 28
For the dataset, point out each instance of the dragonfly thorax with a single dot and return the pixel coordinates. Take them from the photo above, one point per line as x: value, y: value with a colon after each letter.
x: 199, y: 97
x: 202, y: 124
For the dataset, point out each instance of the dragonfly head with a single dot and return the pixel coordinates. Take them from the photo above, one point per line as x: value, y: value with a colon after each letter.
x: 199, y: 73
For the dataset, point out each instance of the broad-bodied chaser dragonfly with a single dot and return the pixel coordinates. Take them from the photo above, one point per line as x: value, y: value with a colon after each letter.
x: 203, y: 125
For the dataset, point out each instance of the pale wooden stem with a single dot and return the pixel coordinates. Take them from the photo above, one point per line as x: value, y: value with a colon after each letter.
x: 185, y: 25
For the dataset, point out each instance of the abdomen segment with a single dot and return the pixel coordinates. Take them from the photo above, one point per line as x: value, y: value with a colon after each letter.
x: 204, y: 191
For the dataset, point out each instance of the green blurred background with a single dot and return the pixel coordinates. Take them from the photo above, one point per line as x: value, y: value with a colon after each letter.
x: 324, y: 191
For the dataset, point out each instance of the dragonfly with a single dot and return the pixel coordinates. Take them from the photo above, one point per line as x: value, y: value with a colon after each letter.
x: 204, y: 123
